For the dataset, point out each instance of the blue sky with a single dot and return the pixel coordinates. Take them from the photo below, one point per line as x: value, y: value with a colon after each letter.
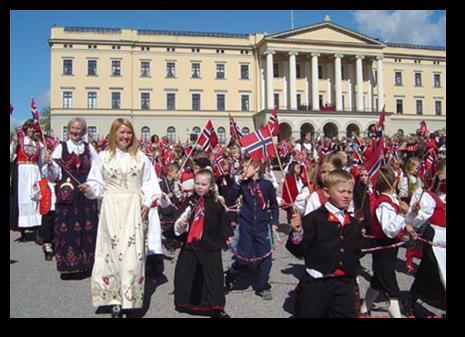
x: 30, y: 30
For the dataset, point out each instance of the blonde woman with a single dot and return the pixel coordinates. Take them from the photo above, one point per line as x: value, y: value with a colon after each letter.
x: 127, y: 183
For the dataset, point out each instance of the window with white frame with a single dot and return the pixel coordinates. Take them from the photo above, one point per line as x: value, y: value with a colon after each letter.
x: 438, y: 108
x: 221, y: 133
x: 92, y: 67
x: 196, y: 102
x: 220, y: 71
x: 145, y: 101
x: 116, y: 68
x: 398, y: 78
x: 196, y: 131
x: 145, y: 134
x: 399, y: 106
x: 196, y: 70
x: 245, y: 102
x: 244, y: 71
x: 171, y: 134
x: 91, y: 100
x: 170, y: 69
x: 67, y: 99
x: 170, y: 101
x: 116, y: 100
x: 92, y: 132
x: 419, y: 105
x: 67, y: 67
x: 437, y: 80
x: 220, y: 102
x: 65, y: 133
x: 144, y: 68
x: 418, y: 79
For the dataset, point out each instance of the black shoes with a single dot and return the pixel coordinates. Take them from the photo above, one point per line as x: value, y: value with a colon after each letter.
x: 228, y: 281
x: 220, y: 314
x: 48, y: 251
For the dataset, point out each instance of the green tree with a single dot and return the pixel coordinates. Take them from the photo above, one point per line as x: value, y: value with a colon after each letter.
x: 45, y: 118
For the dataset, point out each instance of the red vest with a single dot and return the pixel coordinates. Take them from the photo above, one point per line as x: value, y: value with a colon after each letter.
x: 46, y: 200
x: 377, y: 228
x: 28, y: 157
x: 439, y: 214
x: 291, y: 183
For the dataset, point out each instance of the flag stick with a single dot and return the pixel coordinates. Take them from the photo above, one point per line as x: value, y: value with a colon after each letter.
x: 281, y: 168
x: 190, y: 153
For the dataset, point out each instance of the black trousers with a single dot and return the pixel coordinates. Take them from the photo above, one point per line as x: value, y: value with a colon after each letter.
x: 332, y: 297
x: 384, y: 275
x: 46, y: 229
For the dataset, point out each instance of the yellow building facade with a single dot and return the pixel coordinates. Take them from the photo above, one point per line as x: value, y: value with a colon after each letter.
x: 321, y: 77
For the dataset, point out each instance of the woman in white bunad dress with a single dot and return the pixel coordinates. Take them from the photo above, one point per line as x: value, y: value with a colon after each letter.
x: 126, y: 181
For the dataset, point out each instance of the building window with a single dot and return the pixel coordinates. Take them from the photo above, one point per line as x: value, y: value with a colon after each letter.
x: 171, y: 101
x: 245, y: 130
x: 244, y: 102
x: 67, y: 67
x: 91, y: 100
x: 437, y: 80
x: 116, y: 100
x: 276, y: 101
x: 92, y: 67
x: 438, y: 108
x: 418, y: 79
x: 145, y: 100
x: 419, y: 104
x: 144, y: 68
x: 220, y: 71
x: 92, y: 132
x: 399, y: 107
x: 299, y: 100
x: 244, y: 71
x: 170, y: 69
x: 67, y: 99
x: 320, y: 98
x: 398, y: 78
x: 375, y: 77
x: 221, y: 133
x: 145, y: 134
x: 196, y: 102
x: 171, y: 134
x: 195, y: 132
x: 297, y: 71
x: 220, y: 102
x: 342, y: 72
x: 320, y: 72
x: 115, y: 68
x: 170, y: 49
x: 275, y: 70
x: 65, y: 133
x: 195, y: 70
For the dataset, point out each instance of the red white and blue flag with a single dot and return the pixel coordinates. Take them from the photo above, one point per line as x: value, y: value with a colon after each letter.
x: 217, y: 166
x: 208, y: 138
x: 34, y: 110
x: 284, y: 147
x: 234, y: 129
x: 376, y: 159
x: 273, y: 123
x: 258, y: 144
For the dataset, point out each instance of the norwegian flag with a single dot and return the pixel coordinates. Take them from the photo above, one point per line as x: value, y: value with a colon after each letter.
x: 284, y: 148
x: 355, y: 144
x: 324, y: 149
x: 218, y: 160
x: 258, y: 144
x: 376, y: 159
x: 234, y: 129
x: 430, y: 159
x: 273, y: 123
x: 421, y: 170
x: 34, y: 110
x: 356, y: 159
x: 208, y: 138
x: 302, y: 158
x: 196, y: 228
x: 11, y: 109
x: 413, y: 148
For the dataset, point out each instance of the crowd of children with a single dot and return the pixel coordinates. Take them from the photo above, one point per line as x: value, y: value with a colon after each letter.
x: 205, y: 202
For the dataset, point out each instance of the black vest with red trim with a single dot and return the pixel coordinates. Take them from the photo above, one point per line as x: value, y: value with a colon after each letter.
x: 376, y: 225
x: 28, y: 153
x: 439, y: 214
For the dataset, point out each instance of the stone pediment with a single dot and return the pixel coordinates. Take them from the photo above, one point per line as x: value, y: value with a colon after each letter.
x: 328, y: 32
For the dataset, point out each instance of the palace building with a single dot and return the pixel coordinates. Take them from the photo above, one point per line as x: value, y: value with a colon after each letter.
x: 321, y: 77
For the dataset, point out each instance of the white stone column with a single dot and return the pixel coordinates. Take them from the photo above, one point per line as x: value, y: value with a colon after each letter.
x: 349, y: 98
x: 337, y: 71
x: 370, y: 96
x: 315, y: 89
x: 292, y: 81
x: 359, y: 99
x: 329, y: 92
x: 285, y: 84
x: 380, y: 83
x: 262, y: 84
x: 307, y: 84
x: 269, y: 80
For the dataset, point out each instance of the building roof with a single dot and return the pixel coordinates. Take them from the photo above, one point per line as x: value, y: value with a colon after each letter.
x: 414, y: 46
x: 92, y: 29
x: 187, y: 33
